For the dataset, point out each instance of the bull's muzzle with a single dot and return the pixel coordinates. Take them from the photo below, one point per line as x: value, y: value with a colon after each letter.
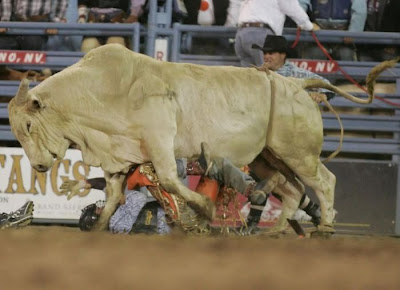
x: 41, y: 167
x: 42, y: 164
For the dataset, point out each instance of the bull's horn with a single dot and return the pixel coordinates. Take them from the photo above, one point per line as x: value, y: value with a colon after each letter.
x: 22, y: 93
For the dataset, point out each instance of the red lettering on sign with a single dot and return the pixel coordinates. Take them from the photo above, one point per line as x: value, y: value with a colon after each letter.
x: 22, y: 57
x: 316, y: 66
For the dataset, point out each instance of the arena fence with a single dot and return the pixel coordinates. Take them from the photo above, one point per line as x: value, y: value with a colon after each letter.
x: 131, y: 30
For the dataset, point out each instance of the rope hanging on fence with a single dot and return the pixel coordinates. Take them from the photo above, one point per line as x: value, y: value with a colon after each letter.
x: 296, y: 41
x: 326, y: 53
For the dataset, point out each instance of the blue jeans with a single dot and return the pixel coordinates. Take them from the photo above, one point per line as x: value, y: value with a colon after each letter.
x: 228, y: 174
x: 223, y: 171
x: 337, y: 51
x: 22, y: 42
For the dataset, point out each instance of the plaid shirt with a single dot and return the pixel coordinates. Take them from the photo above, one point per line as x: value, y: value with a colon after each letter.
x: 291, y: 70
x: 25, y: 8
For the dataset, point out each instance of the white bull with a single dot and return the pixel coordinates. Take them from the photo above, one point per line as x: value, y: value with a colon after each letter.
x: 122, y: 108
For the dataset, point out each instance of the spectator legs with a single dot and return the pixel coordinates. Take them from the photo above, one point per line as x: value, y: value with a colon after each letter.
x: 8, y: 42
x: 245, y: 38
x: 338, y: 52
x: 31, y: 42
x: 23, y: 42
x: 116, y: 39
x: 345, y: 52
x: 89, y: 43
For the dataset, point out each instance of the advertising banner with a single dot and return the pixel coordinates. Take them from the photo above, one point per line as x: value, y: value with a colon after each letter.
x: 19, y: 182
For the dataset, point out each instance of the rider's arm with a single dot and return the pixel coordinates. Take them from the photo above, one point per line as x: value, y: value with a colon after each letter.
x: 291, y: 70
x: 97, y: 183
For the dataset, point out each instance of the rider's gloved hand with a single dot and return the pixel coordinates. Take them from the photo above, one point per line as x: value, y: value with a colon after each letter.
x: 317, y: 97
x: 73, y: 187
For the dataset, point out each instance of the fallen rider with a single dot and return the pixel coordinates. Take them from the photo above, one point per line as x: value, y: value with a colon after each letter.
x: 141, y: 213
x: 138, y: 212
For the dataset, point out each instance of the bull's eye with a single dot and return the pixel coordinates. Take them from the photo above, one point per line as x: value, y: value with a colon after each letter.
x: 28, y: 126
x: 36, y: 104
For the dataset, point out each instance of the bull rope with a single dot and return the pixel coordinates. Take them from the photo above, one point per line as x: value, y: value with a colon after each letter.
x: 339, y: 148
x: 370, y: 83
x: 326, y: 53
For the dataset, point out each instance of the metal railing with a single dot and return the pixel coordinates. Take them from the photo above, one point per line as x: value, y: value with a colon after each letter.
x: 131, y: 30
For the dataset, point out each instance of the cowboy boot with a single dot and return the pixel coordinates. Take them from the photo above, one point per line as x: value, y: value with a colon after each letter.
x: 202, y: 165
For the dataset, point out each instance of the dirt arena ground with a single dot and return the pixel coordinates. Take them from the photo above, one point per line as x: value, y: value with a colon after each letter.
x: 54, y: 257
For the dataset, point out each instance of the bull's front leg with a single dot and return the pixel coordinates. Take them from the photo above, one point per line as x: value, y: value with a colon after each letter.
x: 158, y: 141
x: 114, y: 191
x: 167, y: 174
x: 162, y: 156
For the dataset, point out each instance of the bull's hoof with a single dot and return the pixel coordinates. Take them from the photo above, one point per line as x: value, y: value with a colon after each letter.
x: 323, y: 232
x: 321, y: 235
x: 252, y: 230
x: 326, y: 228
x: 207, y: 210
x: 210, y: 210
x: 272, y: 235
x: 99, y: 227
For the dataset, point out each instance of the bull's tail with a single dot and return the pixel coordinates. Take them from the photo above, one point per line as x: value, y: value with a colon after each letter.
x: 339, y: 148
x: 370, y: 83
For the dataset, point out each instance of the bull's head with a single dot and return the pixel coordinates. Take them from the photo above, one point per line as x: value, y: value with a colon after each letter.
x: 32, y: 125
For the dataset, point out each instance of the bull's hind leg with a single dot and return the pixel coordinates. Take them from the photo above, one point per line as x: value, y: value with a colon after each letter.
x: 323, y: 183
x: 290, y: 195
x: 289, y: 206
x: 114, y: 191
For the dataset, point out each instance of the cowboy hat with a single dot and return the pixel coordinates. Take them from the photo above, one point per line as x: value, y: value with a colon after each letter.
x: 273, y: 43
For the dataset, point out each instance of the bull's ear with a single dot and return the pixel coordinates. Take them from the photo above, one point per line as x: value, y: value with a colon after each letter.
x: 22, y: 93
x: 35, y: 104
